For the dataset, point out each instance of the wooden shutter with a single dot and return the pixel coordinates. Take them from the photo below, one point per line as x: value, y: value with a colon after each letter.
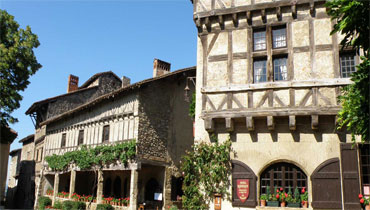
x: 242, y: 171
x: 350, y: 176
x: 326, y: 185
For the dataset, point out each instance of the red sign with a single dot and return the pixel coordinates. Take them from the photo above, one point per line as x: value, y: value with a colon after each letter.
x: 242, y: 189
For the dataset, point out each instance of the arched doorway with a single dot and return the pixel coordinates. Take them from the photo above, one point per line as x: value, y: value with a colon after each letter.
x: 107, y: 187
x: 283, y: 175
x: 151, y: 187
x: 117, y: 187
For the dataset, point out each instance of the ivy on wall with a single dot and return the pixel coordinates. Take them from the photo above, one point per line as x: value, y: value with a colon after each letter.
x: 87, y: 157
x: 207, y: 169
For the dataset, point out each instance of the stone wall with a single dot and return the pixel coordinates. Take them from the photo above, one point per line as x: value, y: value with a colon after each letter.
x: 4, y: 155
x: 107, y: 83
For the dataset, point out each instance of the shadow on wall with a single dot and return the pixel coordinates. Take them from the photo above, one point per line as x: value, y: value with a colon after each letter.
x: 303, y: 126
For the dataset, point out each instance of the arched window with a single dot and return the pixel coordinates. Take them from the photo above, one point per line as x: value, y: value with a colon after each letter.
x: 283, y: 175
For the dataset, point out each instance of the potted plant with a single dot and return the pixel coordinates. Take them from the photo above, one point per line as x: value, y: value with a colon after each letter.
x: 273, y: 198
x: 365, y: 202
x: 282, y: 197
x: 263, y: 199
x: 304, y: 198
x: 293, y: 201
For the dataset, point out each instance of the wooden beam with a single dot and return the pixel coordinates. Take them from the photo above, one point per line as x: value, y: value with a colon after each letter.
x: 229, y: 124
x: 270, y: 123
x: 292, y: 123
x: 221, y: 21
x: 209, y: 125
x: 278, y: 13
x: 294, y: 11
x: 250, y: 123
x: 263, y: 16
x: 207, y: 22
x: 312, y: 8
x: 314, y: 121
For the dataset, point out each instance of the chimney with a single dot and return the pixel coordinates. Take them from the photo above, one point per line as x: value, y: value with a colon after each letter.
x: 72, y: 83
x: 160, y: 68
x: 126, y: 81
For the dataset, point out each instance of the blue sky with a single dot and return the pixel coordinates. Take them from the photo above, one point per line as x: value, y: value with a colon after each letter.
x: 89, y: 36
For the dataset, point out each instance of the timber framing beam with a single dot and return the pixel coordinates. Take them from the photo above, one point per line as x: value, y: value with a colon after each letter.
x: 209, y: 125
x: 292, y: 123
x: 250, y: 123
x: 229, y: 122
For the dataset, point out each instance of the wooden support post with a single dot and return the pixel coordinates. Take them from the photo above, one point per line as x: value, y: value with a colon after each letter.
x: 270, y: 123
x: 56, y: 187
x: 235, y: 19
x: 209, y: 125
x: 250, y: 123
x: 72, y: 183
x: 312, y: 8
x: 99, y: 191
x: 263, y: 15
x: 248, y: 14
x: 315, y: 122
x: 229, y: 124
x: 292, y: 123
x: 221, y: 21
x: 278, y: 13
x: 294, y: 11
x: 134, y: 189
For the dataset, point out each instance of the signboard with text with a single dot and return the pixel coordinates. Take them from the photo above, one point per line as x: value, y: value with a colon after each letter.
x: 242, y: 189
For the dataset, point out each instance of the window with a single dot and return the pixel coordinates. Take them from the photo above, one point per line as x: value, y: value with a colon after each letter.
x: 347, y: 64
x: 280, y: 69
x: 106, y: 133
x: 283, y: 175
x: 259, y: 40
x: 80, y: 137
x: 41, y: 150
x: 64, y: 136
x: 279, y: 37
x: 259, y: 70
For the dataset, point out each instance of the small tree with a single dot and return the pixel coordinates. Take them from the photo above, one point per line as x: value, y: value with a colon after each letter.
x: 352, y: 17
x: 17, y: 64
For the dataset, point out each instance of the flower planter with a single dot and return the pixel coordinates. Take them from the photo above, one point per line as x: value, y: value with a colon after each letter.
x: 304, y: 204
x: 263, y: 203
x: 283, y: 204
x: 297, y: 205
x: 273, y: 203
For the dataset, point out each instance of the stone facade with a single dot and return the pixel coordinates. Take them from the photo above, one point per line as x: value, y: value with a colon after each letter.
x: 273, y: 121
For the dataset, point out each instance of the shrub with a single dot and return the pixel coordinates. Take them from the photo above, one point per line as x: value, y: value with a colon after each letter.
x: 174, y: 208
x: 43, y: 202
x: 58, y: 205
x: 104, y: 207
x: 79, y: 205
x: 67, y: 205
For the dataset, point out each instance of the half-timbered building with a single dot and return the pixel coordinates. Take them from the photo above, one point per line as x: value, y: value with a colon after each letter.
x: 154, y: 112
x: 268, y: 77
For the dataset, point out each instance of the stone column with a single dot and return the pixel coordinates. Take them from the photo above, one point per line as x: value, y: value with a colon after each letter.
x: 133, y: 189
x: 167, y: 187
x: 99, y: 191
x: 72, y: 183
x: 56, y: 187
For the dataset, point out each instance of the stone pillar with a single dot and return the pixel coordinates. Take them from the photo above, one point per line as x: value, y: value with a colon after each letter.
x: 56, y: 187
x: 134, y: 189
x: 167, y: 187
x: 99, y: 191
x: 72, y: 183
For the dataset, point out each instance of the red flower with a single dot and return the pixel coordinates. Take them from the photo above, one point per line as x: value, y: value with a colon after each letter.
x: 286, y: 195
x: 360, y: 196
x: 277, y: 196
x: 303, y: 190
x: 281, y: 189
x: 277, y: 191
x: 362, y: 201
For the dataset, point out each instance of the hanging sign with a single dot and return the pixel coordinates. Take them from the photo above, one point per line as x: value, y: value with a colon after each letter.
x: 217, y: 201
x: 242, y: 189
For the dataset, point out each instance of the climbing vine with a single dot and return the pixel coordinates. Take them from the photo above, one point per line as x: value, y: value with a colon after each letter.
x: 207, y: 169
x: 87, y: 157
x: 192, y: 107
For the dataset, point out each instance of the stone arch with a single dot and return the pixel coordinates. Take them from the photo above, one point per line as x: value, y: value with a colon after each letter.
x: 300, y: 166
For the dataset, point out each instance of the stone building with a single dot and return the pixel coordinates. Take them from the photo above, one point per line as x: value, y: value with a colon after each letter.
x: 13, y: 177
x: 154, y: 112
x: 21, y: 184
x: 268, y: 78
